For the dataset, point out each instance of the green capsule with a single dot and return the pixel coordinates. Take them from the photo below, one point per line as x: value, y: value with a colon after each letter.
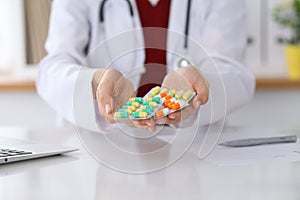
x: 126, y: 110
x: 132, y: 108
x: 135, y: 104
x: 144, y: 110
x: 153, y: 99
x: 153, y: 104
x: 137, y: 99
x: 139, y: 114
x: 146, y: 107
x: 121, y: 115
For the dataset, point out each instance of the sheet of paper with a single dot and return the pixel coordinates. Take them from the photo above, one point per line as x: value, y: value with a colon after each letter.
x: 228, y: 156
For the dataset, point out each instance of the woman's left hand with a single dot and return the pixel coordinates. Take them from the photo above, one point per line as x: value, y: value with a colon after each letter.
x: 186, y: 78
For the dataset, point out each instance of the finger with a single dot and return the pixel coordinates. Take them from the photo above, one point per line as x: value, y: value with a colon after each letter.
x: 105, y: 97
x: 139, y: 124
x: 149, y: 122
x: 174, y: 115
x: 167, y: 120
x: 110, y: 121
x: 202, y: 94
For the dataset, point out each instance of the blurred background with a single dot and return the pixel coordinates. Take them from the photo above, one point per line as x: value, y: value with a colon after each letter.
x: 272, y: 54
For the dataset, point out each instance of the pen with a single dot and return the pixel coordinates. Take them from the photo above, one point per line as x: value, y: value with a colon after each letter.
x: 259, y: 141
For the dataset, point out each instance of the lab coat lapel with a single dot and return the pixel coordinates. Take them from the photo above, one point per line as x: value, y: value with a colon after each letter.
x: 176, y: 30
x: 127, y: 46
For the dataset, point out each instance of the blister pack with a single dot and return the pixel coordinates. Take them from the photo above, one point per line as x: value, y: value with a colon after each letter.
x: 157, y: 103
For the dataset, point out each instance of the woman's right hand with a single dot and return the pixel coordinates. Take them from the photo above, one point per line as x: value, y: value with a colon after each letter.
x: 112, y: 90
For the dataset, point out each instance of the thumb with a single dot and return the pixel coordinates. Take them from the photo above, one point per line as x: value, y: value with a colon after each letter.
x: 105, y: 97
x: 202, y: 94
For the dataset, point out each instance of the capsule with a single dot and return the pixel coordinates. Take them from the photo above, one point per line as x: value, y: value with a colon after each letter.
x: 132, y: 108
x: 153, y: 99
x: 137, y: 99
x: 121, y: 115
x: 165, y: 90
x: 139, y: 114
x: 126, y: 110
x: 146, y: 107
x: 155, y: 91
x: 172, y: 93
x: 135, y: 104
x: 179, y: 94
x: 187, y: 95
x: 153, y: 104
x: 144, y: 110
x: 162, y: 112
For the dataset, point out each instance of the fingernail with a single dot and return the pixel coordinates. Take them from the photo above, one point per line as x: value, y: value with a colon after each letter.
x: 149, y: 124
x: 107, y: 108
x: 172, y: 116
x: 160, y: 122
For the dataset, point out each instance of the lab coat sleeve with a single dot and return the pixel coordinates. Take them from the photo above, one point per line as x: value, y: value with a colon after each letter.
x: 232, y: 84
x: 61, y: 74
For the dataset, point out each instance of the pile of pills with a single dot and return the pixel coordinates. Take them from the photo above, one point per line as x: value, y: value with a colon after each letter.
x: 156, y: 103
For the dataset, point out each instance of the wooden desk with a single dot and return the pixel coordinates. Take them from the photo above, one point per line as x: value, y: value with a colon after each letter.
x: 277, y: 83
x: 261, y: 83
x: 12, y: 86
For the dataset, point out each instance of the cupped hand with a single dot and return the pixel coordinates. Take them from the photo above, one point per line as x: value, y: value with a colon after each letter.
x: 112, y: 90
x: 186, y: 78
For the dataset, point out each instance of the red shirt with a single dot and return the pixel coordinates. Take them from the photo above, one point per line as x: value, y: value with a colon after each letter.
x: 155, y: 42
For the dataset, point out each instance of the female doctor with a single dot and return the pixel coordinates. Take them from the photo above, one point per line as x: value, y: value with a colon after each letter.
x: 87, y: 93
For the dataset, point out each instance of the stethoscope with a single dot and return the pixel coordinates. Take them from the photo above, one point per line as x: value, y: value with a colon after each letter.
x: 182, y: 61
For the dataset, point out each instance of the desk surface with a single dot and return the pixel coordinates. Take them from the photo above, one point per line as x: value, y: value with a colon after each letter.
x: 79, y: 176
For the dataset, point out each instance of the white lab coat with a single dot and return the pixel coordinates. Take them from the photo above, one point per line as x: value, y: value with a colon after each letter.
x: 65, y: 77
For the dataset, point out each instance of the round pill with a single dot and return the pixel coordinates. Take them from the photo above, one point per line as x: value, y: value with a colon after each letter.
x: 168, y: 97
x: 179, y: 94
x: 169, y: 104
x: 162, y: 112
x: 162, y: 95
x: 121, y: 115
x: 187, y: 95
x: 176, y: 106
x: 166, y: 103
x: 139, y: 114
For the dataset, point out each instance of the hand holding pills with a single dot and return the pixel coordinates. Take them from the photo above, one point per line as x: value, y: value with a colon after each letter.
x: 186, y: 78
x: 112, y: 90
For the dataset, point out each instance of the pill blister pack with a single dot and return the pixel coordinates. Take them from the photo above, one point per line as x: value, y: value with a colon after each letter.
x: 139, y: 108
x: 157, y: 103
x: 173, y: 100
